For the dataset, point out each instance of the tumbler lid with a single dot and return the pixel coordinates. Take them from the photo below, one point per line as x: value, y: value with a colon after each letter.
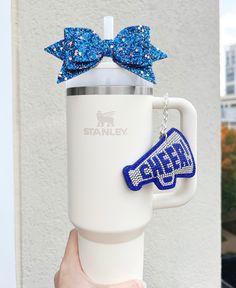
x: 107, y: 74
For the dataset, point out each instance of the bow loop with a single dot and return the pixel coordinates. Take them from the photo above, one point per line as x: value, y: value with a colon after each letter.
x: 82, y: 49
x: 81, y: 45
x: 133, y: 46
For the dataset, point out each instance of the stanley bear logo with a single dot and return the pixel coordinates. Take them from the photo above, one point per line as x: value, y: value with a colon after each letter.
x: 105, y: 119
x: 105, y: 126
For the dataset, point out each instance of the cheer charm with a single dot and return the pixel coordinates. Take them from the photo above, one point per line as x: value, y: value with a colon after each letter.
x: 169, y: 159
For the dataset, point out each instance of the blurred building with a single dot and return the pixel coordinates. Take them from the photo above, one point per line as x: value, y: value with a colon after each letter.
x: 228, y: 111
x: 228, y: 102
x: 230, y: 70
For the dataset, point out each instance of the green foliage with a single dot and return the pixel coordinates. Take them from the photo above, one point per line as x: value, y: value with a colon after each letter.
x: 228, y: 141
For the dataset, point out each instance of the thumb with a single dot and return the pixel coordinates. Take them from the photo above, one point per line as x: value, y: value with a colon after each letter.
x: 72, y: 251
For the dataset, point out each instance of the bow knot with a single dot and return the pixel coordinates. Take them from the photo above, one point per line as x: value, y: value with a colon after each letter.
x: 108, y: 46
x: 82, y: 49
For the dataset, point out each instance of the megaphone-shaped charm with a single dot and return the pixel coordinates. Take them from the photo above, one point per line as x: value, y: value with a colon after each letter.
x: 169, y: 159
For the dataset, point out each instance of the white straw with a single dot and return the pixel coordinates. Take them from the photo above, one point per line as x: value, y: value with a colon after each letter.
x: 108, y: 27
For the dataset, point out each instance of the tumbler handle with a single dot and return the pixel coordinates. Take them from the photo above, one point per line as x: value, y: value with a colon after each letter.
x: 185, y: 187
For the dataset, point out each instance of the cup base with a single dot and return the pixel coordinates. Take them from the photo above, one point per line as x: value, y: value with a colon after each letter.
x: 112, y: 263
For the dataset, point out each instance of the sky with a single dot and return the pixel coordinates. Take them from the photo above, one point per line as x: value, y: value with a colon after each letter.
x: 7, y: 237
x: 227, y: 33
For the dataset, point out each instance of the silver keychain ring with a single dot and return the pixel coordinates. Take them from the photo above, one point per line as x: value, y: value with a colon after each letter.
x: 165, y: 114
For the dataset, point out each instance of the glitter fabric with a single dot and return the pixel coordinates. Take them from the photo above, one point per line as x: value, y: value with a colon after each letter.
x: 82, y: 49
x: 169, y: 159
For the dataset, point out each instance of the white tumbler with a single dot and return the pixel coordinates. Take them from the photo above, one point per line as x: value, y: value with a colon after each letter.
x: 109, y: 125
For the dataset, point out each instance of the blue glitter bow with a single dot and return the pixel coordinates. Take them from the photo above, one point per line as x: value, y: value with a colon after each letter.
x: 82, y: 49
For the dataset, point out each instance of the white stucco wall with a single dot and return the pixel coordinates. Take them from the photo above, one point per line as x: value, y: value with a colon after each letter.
x: 182, y: 247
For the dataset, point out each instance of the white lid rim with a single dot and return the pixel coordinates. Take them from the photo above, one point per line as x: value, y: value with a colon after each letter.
x: 107, y: 65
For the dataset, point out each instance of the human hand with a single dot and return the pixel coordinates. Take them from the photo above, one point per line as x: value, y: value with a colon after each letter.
x: 71, y: 275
